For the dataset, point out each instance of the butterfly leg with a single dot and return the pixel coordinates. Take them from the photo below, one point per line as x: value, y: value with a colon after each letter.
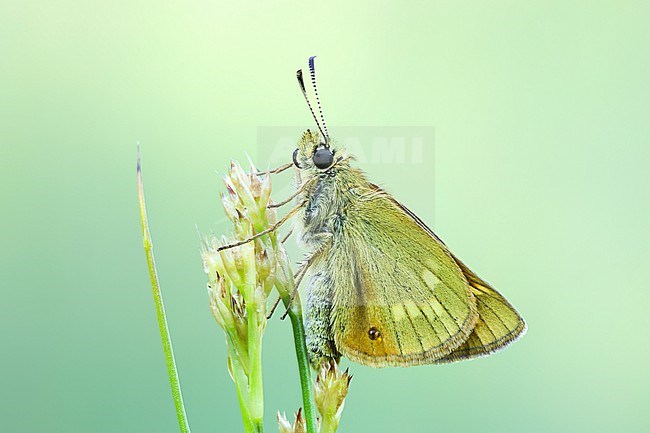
x: 274, y: 227
x: 297, y: 278
x: 280, y: 169
x: 300, y: 189
x: 275, y: 305
x: 286, y: 237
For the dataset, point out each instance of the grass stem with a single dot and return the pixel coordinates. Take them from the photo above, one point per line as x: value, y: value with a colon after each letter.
x: 160, y: 310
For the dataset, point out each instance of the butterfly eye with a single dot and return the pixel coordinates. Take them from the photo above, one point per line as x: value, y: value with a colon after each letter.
x: 373, y: 333
x: 323, y: 157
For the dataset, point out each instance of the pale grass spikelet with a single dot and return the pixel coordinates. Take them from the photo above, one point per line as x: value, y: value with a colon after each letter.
x: 239, y: 282
x: 298, y: 424
x: 330, y: 390
x: 283, y: 424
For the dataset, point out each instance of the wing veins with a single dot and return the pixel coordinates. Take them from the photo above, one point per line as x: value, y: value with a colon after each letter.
x: 442, y: 322
x: 460, y: 327
x: 495, y: 314
x: 390, y: 317
x: 420, y: 337
x: 433, y: 329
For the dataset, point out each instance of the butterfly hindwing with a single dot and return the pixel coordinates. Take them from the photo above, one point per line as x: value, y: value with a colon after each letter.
x: 498, y: 325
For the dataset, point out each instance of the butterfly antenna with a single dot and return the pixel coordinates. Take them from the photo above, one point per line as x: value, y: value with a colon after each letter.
x: 301, y: 82
x: 312, y: 72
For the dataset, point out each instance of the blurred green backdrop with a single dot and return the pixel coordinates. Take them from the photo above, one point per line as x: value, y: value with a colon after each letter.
x: 539, y: 181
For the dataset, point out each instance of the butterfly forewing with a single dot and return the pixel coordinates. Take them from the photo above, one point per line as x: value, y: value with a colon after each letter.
x: 392, y: 308
x: 498, y: 324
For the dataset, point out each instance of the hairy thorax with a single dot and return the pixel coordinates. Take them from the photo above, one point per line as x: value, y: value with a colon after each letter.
x: 328, y: 200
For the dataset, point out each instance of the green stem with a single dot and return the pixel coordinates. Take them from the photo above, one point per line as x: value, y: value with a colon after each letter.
x: 304, y: 368
x: 299, y: 340
x: 160, y: 310
x: 241, y: 383
x: 256, y: 392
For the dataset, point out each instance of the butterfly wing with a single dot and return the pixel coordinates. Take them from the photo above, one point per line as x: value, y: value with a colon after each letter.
x: 400, y: 298
x: 498, y: 323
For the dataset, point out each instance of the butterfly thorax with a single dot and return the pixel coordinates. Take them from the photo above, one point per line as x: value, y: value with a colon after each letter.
x: 330, y: 192
x: 329, y: 199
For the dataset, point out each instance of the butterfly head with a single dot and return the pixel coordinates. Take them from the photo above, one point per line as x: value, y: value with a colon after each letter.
x: 313, y: 152
x: 313, y: 148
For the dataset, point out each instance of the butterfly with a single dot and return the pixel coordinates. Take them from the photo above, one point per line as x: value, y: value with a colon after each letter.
x: 383, y: 288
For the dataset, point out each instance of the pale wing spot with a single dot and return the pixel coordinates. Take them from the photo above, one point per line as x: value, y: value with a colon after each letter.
x: 437, y: 307
x: 398, y: 312
x: 426, y: 332
x: 412, y: 309
x: 428, y: 312
x: 438, y: 327
x: 444, y: 316
x: 430, y: 279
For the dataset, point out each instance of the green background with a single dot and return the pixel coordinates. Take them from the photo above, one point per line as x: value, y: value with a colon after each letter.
x: 539, y: 181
